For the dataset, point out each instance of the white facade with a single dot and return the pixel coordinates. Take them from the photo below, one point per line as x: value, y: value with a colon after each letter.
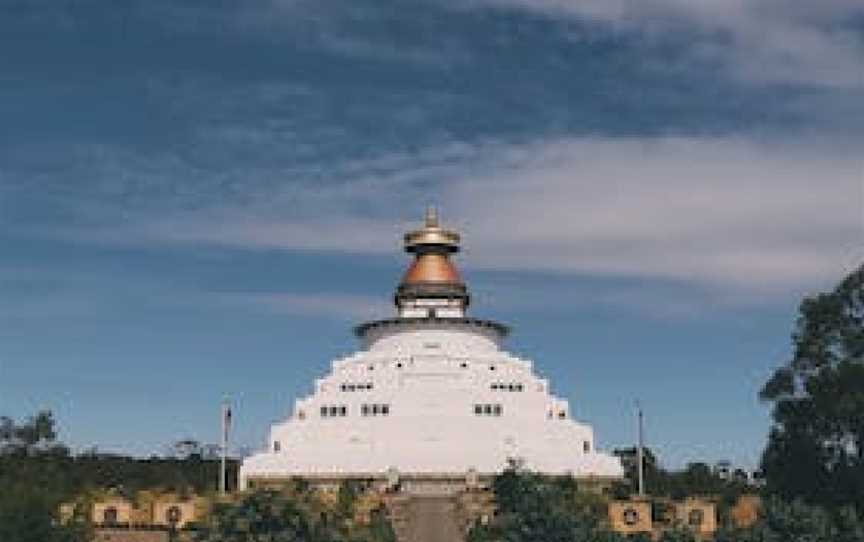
x: 429, y: 396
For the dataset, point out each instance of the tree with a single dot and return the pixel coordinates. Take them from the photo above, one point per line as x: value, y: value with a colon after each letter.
x: 653, y: 475
x: 816, y: 446
x: 26, y: 515
x: 264, y: 516
x: 295, y: 514
x: 695, y: 480
x: 536, y: 508
x: 798, y: 522
x: 37, y: 433
x: 187, y: 448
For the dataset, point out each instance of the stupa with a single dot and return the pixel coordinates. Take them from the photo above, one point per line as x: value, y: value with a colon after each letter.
x: 431, y: 401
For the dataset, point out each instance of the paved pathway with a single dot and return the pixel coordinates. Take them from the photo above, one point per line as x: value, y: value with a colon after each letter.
x: 429, y: 519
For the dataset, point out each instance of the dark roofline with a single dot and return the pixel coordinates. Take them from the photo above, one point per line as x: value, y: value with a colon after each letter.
x: 363, y: 328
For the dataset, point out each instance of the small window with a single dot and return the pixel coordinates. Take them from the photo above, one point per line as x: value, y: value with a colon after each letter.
x: 399, y: 365
x: 562, y: 415
x: 301, y: 415
x: 343, y: 387
x: 343, y: 411
x: 277, y: 446
x: 519, y: 387
x: 491, y: 367
x: 478, y: 409
x: 371, y: 367
x: 695, y: 518
x: 586, y: 447
x: 334, y: 411
x: 364, y: 410
x: 511, y: 387
x: 487, y: 409
x: 109, y: 516
x: 385, y: 409
x: 375, y: 410
x: 494, y: 387
x: 324, y: 411
x: 497, y: 410
x: 463, y: 365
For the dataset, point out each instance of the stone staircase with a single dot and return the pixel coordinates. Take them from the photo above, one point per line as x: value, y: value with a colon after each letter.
x: 426, y: 518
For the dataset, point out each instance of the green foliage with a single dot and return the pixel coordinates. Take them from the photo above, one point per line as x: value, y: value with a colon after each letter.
x: 37, y: 474
x: 30, y: 455
x: 678, y: 535
x: 535, y: 508
x: 288, y: 516
x: 262, y: 516
x: 35, y: 435
x: 798, y: 522
x: 697, y: 479
x: 28, y: 515
x: 816, y: 447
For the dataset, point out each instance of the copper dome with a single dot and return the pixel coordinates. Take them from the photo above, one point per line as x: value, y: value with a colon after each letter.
x: 431, y: 267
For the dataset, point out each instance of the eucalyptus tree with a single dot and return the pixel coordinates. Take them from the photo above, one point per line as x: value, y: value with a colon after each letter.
x: 816, y: 446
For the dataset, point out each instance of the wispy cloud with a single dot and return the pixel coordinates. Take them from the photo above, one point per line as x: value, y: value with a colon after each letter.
x: 730, y: 213
x: 726, y: 212
x: 755, y: 40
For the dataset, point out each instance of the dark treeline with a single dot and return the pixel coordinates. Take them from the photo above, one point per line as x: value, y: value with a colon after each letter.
x: 31, y: 455
x: 38, y: 473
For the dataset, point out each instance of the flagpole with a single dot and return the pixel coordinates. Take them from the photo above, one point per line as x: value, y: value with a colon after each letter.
x: 224, y: 459
x: 640, y: 453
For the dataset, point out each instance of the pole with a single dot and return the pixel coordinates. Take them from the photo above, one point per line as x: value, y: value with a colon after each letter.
x: 224, y: 447
x: 640, y: 453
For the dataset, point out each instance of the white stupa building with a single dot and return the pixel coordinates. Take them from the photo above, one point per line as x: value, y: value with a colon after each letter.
x: 431, y: 397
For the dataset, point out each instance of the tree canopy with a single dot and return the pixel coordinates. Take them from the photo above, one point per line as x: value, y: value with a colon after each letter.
x: 537, y: 508
x: 816, y: 446
x: 294, y: 514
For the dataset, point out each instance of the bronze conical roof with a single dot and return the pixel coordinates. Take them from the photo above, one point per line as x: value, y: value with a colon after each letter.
x: 431, y: 267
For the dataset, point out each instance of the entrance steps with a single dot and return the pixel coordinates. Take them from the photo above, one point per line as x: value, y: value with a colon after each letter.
x: 426, y: 518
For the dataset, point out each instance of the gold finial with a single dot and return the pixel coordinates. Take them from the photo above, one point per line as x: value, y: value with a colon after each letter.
x: 431, y: 234
x: 431, y: 217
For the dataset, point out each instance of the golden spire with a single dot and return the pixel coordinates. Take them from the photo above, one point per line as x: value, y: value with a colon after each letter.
x: 431, y: 235
x: 431, y: 217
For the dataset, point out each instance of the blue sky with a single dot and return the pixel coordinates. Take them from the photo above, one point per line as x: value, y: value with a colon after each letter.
x: 200, y: 198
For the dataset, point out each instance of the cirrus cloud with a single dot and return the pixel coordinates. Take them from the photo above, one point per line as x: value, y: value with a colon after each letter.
x: 731, y: 213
